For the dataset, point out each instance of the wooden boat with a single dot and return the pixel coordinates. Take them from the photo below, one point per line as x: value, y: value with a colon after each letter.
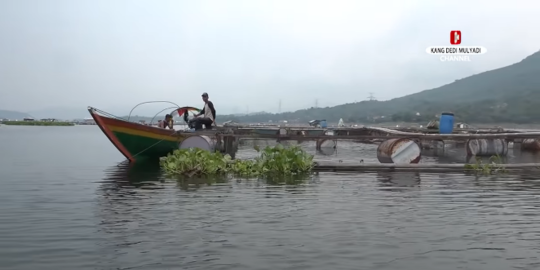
x: 137, y: 141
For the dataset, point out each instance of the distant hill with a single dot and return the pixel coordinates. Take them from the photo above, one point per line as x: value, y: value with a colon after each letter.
x: 508, y: 94
x: 13, y: 114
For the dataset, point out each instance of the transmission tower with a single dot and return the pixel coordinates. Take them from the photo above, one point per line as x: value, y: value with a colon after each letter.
x: 316, y: 103
x: 371, y: 97
x: 279, y: 108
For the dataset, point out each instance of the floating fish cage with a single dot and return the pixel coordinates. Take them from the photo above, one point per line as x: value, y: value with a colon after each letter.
x: 394, y: 146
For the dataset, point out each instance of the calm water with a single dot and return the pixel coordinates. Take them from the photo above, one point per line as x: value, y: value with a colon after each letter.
x: 66, y: 204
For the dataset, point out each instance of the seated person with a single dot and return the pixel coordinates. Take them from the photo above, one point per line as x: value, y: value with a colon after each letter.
x: 168, y: 122
x: 206, y: 117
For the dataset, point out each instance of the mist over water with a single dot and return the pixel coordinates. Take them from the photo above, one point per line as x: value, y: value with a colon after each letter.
x: 67, y: 203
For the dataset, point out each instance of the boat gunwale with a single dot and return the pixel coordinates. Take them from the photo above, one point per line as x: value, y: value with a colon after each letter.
x: 118, y: 122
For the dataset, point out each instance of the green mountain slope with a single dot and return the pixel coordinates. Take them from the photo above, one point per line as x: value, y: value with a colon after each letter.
x: 12, y: 115
x: 508, y: 94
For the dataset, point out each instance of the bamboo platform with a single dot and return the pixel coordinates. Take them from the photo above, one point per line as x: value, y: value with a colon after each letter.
x: 348, y: 166
x: 394, y: 141
x: 507, y: 136
x: 359, y: 134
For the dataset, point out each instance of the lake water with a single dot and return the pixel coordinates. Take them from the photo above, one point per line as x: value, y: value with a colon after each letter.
x: 65, y: 203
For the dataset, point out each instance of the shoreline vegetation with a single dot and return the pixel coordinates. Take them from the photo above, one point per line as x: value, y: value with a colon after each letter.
x: 36, y: 123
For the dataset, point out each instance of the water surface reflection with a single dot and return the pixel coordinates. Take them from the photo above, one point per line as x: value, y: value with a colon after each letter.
x: 378, y: 220
x: 392, y: 181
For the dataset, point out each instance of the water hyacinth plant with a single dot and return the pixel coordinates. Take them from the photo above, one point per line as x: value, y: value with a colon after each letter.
x: 494, y: 166
x: 273, y: 161
x: 285, y: 161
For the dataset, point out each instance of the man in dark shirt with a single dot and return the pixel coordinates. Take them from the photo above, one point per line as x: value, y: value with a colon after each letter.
x: 206, y: 117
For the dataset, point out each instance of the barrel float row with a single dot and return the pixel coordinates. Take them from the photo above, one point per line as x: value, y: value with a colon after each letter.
x: 487, y: 147
x: 409, y: 151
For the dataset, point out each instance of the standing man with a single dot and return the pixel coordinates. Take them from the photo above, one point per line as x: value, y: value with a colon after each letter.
x: 206, y: 117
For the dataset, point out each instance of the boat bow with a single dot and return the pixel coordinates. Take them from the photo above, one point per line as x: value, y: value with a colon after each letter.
x: 135, y: 140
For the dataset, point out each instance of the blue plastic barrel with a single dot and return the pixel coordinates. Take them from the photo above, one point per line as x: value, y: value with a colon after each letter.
x: 323, y: 124
x: 446, y: 123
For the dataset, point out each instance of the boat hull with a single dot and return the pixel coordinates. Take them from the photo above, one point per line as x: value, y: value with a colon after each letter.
x: 136, y: 141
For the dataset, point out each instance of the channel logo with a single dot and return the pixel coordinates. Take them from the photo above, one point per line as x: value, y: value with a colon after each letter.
x: 455, y: 37
x: 456, y: 53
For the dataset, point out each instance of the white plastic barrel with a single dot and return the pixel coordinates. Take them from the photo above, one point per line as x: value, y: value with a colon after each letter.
x: 199, y: 141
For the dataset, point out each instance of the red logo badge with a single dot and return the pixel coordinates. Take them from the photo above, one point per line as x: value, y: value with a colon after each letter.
x: 455, y: 37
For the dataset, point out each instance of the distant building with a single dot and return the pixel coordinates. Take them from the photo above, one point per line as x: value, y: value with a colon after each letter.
x: 88, y: 121
x: 28, y: 119
x: 48, y: 120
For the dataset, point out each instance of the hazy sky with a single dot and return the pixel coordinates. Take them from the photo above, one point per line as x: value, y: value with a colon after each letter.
x: 115, y: 53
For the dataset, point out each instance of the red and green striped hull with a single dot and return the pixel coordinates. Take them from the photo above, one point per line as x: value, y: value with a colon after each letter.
x: 136, y: 141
